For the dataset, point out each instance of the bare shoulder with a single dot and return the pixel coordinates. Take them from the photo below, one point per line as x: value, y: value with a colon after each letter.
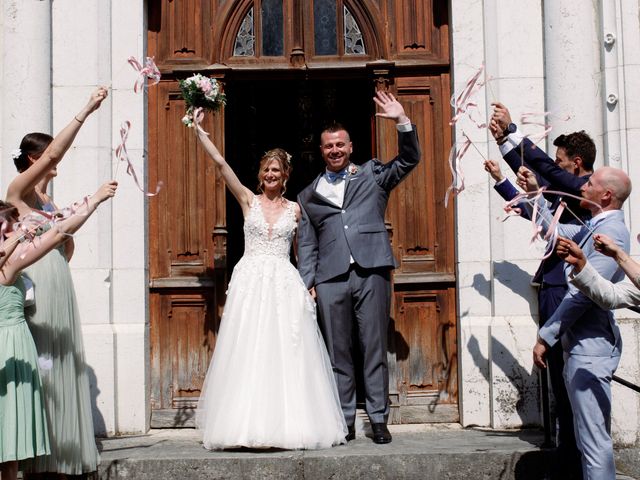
x: 296, y: 209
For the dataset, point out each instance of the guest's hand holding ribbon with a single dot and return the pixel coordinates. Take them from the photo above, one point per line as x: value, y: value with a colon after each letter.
x: 527, y: 180
x: 500, y: 116
x: 95, y: 100
x: 492, y: 167
x: 606, y: 245
x: 570, y: 252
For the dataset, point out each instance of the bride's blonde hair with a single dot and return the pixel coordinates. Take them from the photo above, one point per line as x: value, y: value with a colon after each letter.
x: 283, y: 159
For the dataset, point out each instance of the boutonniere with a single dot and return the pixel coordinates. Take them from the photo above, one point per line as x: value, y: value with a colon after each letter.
x: 352, y: 169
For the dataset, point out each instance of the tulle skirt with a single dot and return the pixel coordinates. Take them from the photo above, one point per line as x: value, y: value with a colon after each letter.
x: 270, y: 382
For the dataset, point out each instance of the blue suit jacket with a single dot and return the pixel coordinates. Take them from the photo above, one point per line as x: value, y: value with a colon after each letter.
x: 551, y: 271
x: 549, y: 175
x: 583, y: 327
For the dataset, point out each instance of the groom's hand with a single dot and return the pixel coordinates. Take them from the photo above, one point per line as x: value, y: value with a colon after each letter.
x: 391, y: 108
x: 312, y: 292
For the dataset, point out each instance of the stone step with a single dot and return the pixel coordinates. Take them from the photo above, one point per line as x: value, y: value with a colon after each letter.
x: 425, y: 452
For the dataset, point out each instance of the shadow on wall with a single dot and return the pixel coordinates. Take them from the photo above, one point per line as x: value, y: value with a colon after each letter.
x: 521, y: 397
x: 99, y: 426
x: 518, y: 281
x: 512, y: 277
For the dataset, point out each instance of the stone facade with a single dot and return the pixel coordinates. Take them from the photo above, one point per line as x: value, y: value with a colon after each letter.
x: 556, y: 55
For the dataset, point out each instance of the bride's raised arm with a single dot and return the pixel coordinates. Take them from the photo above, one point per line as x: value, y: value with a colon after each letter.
x: 242, y: 193
x: 27, y: 180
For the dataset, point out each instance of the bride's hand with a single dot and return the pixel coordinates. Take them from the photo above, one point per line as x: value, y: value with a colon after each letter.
x: 312, y: 292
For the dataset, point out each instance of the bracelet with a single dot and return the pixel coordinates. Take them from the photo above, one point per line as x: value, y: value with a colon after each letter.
x: 78, y: 120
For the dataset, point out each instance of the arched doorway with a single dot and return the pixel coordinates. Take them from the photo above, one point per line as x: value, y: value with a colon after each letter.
x: 289, y: 67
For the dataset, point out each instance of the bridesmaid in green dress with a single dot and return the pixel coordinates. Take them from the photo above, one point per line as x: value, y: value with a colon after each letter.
x: 23, y: 423
x: 54, y: 320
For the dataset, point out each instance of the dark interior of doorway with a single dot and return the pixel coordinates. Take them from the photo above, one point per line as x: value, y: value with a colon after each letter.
x: 264, y: 114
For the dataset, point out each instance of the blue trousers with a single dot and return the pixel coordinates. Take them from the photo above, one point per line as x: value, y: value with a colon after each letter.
x: 588, y: 381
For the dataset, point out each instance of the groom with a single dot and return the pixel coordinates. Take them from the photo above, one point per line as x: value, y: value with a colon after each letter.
x: 345, y: 259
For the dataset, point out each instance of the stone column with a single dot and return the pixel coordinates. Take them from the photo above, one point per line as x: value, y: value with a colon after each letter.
x: 26, y: 75
x: 572, y: 69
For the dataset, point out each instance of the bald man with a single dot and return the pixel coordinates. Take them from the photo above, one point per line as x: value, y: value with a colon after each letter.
x: 589, y: 335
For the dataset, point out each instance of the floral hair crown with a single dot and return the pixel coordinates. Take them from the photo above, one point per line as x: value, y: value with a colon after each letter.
x: 274, y: 155
x: 15, y: 154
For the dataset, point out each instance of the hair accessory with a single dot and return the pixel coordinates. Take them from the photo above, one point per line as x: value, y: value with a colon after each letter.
x: 15, y: 154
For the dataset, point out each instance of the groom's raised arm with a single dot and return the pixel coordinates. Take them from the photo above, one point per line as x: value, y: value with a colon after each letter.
x: 307, y: 248
x: 388, y: 175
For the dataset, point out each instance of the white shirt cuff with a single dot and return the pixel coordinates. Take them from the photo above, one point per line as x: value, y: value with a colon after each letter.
x: 504, y: 179
x: 513, y: 140
x: 404, y: 127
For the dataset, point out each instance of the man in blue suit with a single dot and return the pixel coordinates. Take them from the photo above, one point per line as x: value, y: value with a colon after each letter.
x: 589, y: 335
x: 572, y: 167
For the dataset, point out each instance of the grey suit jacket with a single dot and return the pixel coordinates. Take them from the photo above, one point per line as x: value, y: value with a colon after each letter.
x: 583, y: 327
x: 605, y: 293
x: 328, y: 235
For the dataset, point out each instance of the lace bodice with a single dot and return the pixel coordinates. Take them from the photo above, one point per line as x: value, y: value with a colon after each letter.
x: 261, y: 238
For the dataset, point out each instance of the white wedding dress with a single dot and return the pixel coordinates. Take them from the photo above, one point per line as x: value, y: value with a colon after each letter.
x: 270, y: 382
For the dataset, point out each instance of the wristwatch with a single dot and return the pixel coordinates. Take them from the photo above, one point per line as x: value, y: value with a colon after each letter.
x: 511, y: 128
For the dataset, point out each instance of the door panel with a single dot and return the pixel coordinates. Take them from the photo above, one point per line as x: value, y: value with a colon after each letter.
x: 187, y: 262
x: 423, y: 338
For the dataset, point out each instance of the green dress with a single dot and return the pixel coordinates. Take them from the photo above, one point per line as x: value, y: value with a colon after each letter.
x: 23, y: 424
x: 55, y: 326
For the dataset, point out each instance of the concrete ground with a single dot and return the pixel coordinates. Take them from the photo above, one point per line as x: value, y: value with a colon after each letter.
x: 417, y: 452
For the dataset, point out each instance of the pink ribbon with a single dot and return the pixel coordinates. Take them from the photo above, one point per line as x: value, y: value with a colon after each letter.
x: 35, y: 219
x: 148, y: 71
x: 552, y: 229
x: 464, y: 103
x: 123, y: 155
x: 529, y: 118
x: 455, y: 160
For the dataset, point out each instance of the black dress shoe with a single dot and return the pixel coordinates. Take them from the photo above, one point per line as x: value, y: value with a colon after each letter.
x: 380, y: 433
x: 351, y: 433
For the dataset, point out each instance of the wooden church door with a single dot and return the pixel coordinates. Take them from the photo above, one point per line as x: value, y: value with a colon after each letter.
x: 289, y: 66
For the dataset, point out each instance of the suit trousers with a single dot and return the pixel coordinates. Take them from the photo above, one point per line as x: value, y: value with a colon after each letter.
x: 568, y: 456
x: 358, y: 301
x: 588, y: 380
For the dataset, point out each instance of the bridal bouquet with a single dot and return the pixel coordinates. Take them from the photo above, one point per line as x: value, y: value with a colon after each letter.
x: 202, y: 92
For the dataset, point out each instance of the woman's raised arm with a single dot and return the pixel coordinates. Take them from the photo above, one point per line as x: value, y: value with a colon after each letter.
x: 26, y: 181
x: 28, y: 253
x: 239, y: 191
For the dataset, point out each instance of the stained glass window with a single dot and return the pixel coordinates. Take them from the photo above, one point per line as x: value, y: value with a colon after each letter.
x: 245, y: 39
x: 269, y: 28
x: 353, y: 41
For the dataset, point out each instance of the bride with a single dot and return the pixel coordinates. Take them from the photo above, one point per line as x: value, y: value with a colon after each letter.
x: 270, y: 382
